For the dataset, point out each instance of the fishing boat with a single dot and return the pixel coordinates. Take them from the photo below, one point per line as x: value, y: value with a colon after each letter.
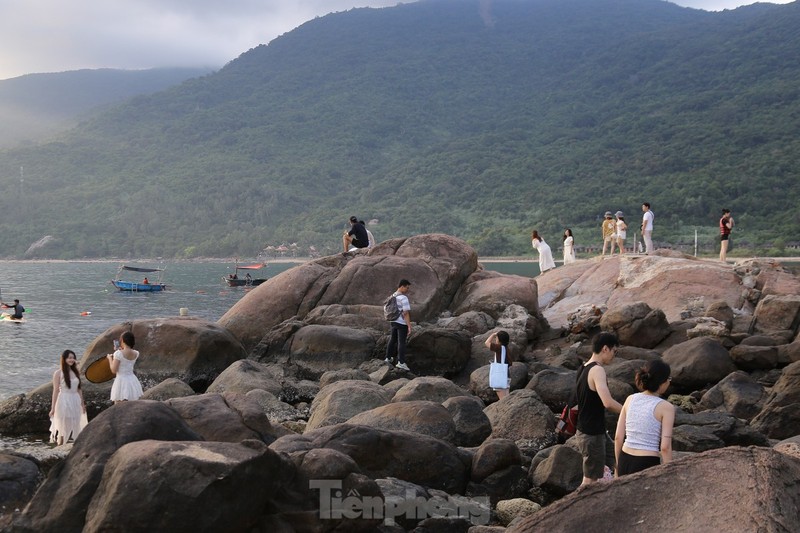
x: 234, y: 280
x: 146, y: 285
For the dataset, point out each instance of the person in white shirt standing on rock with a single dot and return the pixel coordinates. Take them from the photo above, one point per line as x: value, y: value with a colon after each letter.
x: 647, y: 228
x: 401, y: 326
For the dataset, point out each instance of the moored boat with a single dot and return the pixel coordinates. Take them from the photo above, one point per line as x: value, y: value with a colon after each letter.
x: 134, y: 286
x: 233, y: 280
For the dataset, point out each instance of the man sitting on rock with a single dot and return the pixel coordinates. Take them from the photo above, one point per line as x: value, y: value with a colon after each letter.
x: 355, y: 238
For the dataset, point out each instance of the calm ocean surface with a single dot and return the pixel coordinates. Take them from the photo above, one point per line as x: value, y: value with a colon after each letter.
x: 56, y: 293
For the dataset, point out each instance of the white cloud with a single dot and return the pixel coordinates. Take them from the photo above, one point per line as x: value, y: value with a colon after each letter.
x: 58, y: 35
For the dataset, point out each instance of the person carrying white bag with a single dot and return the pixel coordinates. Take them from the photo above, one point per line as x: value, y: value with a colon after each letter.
x: 499, y: 372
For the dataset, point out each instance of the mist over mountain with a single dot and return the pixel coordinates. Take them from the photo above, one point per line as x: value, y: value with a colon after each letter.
x: 37, y: 106
x: 479, y: 119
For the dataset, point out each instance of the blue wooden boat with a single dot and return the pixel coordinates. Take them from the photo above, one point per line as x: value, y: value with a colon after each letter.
x: 146, y: 285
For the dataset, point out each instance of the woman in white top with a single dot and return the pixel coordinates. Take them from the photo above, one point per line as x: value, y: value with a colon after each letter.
x: 67, y: 406
x: 498, y: 344
x: 126, y: 385
x: 569, y: 247
x: 644, y: 430
x: 545, y: 254
x: 622, y: 232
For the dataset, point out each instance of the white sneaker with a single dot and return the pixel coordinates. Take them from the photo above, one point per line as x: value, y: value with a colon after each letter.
x: 403, y: 366
x: 388, y: 360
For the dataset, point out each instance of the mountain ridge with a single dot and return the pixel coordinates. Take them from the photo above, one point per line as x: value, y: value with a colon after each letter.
x: 434, y: 116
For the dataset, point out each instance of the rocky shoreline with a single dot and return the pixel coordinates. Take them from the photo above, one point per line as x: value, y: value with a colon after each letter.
x: 283, y: 416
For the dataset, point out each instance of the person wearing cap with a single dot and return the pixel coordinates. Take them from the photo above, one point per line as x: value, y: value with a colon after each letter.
x: 609, y: 229
x: 622, y: 231
x: 355, y: 238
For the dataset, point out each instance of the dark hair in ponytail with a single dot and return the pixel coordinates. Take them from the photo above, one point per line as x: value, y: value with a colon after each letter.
x: 652, y: 375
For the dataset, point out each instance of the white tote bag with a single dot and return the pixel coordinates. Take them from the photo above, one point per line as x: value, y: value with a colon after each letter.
x: 498, y: 372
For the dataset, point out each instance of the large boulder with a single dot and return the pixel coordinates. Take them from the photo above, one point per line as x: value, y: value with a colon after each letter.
x: 244, y: 376
x: 60, y: 503
x: 666, y: 283
x: 780, y: 417
x: 636, y: 324
x: 737, y: 394
x: 438, y: 351
x: 697, y: 363
x: 381, y: 453
x: 778, y: 312
x: 560, y: 471
x: 492, y: 456
x: 317, y: 349
x: 342, y: 400
x: 435, y: 264
x: 472, y: 424
x: 190, y: 349
x: 194, y: 478
x: 748, y: 357
x: 229, y: 417
x: 553, y: 386
x: 521, y: 415
x: 434, y: 389
x: 489, y: 292
x: 735, y: 488
x: 416, y: 416
x: 19, y: 477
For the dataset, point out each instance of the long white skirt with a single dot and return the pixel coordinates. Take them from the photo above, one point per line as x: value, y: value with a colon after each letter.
x: 66, y: 421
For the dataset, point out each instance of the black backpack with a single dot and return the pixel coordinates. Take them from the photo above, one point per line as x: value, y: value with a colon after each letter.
x: 391, y: 311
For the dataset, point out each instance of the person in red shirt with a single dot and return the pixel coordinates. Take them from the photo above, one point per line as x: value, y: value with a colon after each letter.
x: 725, y: 227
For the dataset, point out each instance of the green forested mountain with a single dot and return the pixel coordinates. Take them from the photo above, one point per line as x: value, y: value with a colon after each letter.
x: 483, y: 120
x: 37, y: 106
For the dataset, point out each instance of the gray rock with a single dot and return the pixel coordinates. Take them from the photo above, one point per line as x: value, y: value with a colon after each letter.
x: 636, y: 324
x: 418, y: 416
x: 20, y: 475
x: 342, y: 400
x: 244, y: 376
x: 737, y: 394
x: 472, y: 424
x: 698, y: 362
x: 435, y: 389
x: 169, y: 388
x: 780, y: 417
x: 561, y: 472
x: 521, y: 415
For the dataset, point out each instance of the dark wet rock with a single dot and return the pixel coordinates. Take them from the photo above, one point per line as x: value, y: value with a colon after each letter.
x: 698, y: 362
x: 471, y: 423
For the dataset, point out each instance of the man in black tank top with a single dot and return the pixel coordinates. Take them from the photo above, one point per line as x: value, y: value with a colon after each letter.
x: 593, y: 399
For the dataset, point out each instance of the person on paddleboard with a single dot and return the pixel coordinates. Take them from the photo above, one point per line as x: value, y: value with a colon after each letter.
x: 17, y: 307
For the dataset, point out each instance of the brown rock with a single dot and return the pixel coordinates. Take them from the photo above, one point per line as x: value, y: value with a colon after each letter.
x: 636, y: 324
x: 780, y: 417
x: 740, y: 488
x: 698, y: 362
x: 192, y: 350
x: 432, y: 388
x: 381, y: 453
x: 472, y: 424
x: 169, y: 388
x: 666, y: 283
x: 422, y: 417
x: 778, y: 312
x: 521, y: 415
x: 244, y: 376
x: 721, y: 311
x: 494, y: 455
x: 342, y: 400
x: 318, y: 349
x: 490, y: 292
x: 737, y: 394
x: 748, y: 357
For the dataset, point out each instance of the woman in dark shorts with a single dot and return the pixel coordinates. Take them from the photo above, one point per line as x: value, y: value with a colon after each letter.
x: 725, y: 227
x: 644, y: 431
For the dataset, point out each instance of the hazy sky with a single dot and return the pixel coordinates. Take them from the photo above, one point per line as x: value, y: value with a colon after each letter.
x: 59, y: 35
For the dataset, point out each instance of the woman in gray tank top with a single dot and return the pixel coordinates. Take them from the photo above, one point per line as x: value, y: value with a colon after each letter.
x: 644, y: 430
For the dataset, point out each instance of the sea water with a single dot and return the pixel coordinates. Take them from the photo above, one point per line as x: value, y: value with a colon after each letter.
x: 69, y: 304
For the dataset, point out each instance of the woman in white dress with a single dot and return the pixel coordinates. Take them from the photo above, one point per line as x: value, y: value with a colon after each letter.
x: 622, y: 232
x: 569, y: 247
x: 126, y: 385
x: 67, y: 405
x: 545, y: 255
